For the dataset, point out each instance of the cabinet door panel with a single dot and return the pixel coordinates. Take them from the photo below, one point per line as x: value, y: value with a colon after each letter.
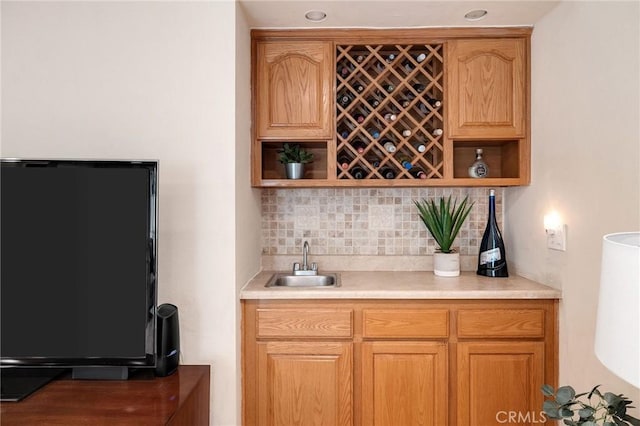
x: 487, y: 88
x: 305, y: 383
x: 499, y: 377
x: 404, y: 383
x: 294, y: 81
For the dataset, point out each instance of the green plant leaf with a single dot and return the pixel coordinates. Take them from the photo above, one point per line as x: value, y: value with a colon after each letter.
x: 547, y: 390
x: 595, y: 391
x: 565, y: 394
x: 551, y: 409
x: 586, y: 412
x: 566, y: 412
x: 443, y: 220
x: 589, y: 423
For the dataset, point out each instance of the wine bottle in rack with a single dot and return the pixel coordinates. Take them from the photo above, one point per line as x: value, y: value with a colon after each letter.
x: 390, y: 117
x: 388, y: 87
x: 421, y: 57
x: 375, y: 133
x: 417, y: 173
x: 419, y: 146
x: 419, y: 87
x: 360, y: 59
x: 358, y: 145
x: 358, y: 88
x: 344, y: 134
x: 344, y: 99
x: 405, y: 162
x: 360, y: 118
x: 387, y: 173
x: 492, y: 260
x: 435, y: 103
x: 388, y: 145
x: 344, y: 162
x: 375, y: 162
x: 406, y: 133
x: 373, y: 101
x: 405, y: 103
x: 390, y: 57
x: 346, y: 68
x: 358, y: 172
x: 408, y: 66
x: 437, y: 132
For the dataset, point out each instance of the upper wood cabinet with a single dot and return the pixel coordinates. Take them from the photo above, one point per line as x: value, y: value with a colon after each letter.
x: 294, y: 81
x: 487, y: 88
x: 392, y: 108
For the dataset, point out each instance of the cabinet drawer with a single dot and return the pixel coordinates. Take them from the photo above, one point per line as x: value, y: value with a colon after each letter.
x: 406, y: 323
x: 304, y: 322
x: 501, y: 323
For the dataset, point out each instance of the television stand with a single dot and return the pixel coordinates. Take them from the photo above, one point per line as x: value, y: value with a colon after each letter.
x: 16, y: 383
x: 179, y: 399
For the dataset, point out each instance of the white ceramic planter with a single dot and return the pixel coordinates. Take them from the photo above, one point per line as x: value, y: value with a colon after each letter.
x: 446, y: 264
x: 294, y: 170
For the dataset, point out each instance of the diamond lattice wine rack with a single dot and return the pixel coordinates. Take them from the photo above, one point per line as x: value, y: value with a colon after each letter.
x: 389, y: 119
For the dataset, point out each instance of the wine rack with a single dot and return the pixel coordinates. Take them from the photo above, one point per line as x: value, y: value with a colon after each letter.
x: 389, y: 112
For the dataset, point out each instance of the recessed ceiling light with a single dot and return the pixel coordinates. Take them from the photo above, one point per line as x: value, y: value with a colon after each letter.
x: 315, y: 15
x: 475, y: 15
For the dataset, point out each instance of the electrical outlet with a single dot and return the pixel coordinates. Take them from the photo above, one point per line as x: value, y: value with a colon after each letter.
x: 557, y: 238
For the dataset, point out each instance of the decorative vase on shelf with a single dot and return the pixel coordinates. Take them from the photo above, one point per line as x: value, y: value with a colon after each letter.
x: 446, y: 264
x: 443, y: 220
x: 294, y: 170
x: 294, y: 157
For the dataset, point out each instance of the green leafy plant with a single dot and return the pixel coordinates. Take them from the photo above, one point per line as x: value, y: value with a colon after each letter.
x: 443, y: 220
x: 598, y: 409
x: 294, y: 154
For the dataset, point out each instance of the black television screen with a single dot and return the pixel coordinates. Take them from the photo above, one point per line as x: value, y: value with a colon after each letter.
x: 77, y: 263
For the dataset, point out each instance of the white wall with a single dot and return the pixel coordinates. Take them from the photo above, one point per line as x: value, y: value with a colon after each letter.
x: 148, y: 80
x: 585, y: 165
x: 247, y: 207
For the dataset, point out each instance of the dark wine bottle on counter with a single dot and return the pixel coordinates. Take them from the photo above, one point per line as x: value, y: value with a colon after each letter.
x: 492, y: 260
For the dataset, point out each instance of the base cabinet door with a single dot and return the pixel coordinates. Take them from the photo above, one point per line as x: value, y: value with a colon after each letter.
x: 404, y: 383
x: 498, y: 381
x: 305, y: 383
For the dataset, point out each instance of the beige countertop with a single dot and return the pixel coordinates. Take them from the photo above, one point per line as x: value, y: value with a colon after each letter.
x: 405, y: 285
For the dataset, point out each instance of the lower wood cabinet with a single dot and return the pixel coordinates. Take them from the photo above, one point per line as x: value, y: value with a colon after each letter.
x: 305, y: 383
x: 396, y: 362
x: 404, y: 383
x: 496, y: 378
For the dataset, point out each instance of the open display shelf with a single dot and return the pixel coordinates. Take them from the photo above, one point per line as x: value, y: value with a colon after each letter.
x: 389, y: 121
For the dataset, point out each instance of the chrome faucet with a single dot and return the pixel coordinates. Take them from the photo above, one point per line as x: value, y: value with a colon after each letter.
x: 305, y: 270
x: 305, y: 254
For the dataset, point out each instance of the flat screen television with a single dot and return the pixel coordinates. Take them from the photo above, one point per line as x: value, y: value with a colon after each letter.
x: 78, y: 245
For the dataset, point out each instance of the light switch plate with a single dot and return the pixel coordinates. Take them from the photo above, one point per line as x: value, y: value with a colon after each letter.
x: 557, y: 238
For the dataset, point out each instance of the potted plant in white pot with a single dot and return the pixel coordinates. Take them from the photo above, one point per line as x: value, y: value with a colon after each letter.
x: 294, y: 157
x: 443, y: 221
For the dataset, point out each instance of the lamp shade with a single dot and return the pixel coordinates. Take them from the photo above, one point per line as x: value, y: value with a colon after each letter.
x: 618, y: 321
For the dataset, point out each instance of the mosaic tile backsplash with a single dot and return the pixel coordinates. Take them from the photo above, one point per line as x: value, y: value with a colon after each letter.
x: 364, y: 221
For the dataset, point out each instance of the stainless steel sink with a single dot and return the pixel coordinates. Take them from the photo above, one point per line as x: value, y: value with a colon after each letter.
x: 320, y: 280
